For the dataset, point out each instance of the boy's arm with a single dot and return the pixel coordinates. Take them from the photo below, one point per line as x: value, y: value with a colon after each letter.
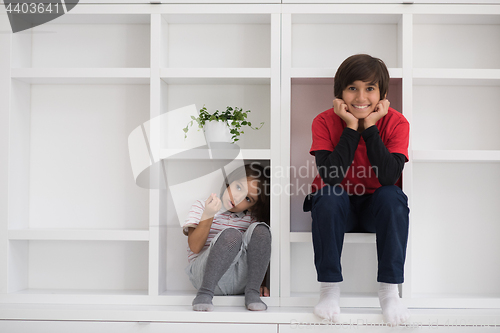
x: 332, y: 165
x: 388, y: 165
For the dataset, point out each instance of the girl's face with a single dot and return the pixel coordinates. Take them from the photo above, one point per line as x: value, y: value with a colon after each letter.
x: 241, y: 195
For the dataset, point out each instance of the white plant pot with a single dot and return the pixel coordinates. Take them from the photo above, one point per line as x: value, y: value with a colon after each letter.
x: 217, y: 131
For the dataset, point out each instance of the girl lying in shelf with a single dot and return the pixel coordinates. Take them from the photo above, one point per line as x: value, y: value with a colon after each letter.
x: 229, y: 240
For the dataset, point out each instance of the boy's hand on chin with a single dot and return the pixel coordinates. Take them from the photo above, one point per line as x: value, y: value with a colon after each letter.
x: 340, y: 109
x: 378, y: 113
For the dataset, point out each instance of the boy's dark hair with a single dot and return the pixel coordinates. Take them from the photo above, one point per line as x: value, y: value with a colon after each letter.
x: 260, y: 210
x: 362, y: 67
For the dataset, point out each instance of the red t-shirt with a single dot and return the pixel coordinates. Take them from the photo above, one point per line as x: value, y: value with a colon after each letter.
x: 360, y: 177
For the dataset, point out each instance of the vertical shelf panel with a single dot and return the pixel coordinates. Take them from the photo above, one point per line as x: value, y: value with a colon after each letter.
x: 406, y: 45
x: 5, y: 102
x: 284, y: 161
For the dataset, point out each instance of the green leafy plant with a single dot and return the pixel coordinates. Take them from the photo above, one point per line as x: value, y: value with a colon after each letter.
x: 235, y: 118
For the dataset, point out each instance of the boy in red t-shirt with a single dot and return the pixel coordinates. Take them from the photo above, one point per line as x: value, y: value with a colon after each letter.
x: 360, y: 147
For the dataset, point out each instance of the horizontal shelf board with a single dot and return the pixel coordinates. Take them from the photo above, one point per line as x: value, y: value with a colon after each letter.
x: 455, y: 296
x: 330, y: 72
x: 216, y: 75
x: 487, y: 17
x: 79, y: 292
x: 82, y: 75
x: 450, y: 76
x: 81, y: 234
x: 250, y: 154
x: 79, y: 15
x: 306, y: 237
x: 345, y: 16
x: 213, y: 17
x: 454, y: 301
x: 456, y: 155
x: 431, y: 13
x: 302, y: 316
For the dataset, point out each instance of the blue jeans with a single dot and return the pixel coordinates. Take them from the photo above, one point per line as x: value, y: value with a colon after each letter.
x: 384, y: 212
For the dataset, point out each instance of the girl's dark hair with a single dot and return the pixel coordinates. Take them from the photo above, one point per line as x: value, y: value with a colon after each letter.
x: 260, y: 211
x: 362, y: 67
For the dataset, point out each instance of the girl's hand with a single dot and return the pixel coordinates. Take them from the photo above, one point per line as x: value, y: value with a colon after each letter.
x: 264, y: 292
x: 381, y: 109
x: 212, y: 206
x: 341, y: 110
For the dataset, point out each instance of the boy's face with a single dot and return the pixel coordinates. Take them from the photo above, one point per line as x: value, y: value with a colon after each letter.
x: 241, y: 195
x: 361, y: 98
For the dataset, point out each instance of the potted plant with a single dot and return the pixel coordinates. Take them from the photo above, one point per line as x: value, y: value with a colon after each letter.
x: 220, y: 126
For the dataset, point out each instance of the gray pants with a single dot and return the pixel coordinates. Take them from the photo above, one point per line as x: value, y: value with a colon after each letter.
x: 233, y: 282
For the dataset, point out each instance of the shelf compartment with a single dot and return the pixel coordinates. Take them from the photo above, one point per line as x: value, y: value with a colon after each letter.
x: 217, y: 94
x: 85, y: 41
x: 455, y: 209
x: 456, y: 117
x: 82, y: 267
x: 216, y: 41
x: 82, y: 75
x: 359, y: 269
x: 437, y: 39
x: 81, y: 234
x: 70, y: 153
x: 316, y: 38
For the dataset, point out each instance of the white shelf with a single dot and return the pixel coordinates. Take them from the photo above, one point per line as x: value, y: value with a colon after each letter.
x: 68, y: 163
x: 239, y: 73
x: 456, y: 155
x: 248, y: 154
x: 80, y: 234
x: 453, y: 74
x: 306, y: 237
x: 330, y: 72
x: 81, y: 292
x: 82, y: 75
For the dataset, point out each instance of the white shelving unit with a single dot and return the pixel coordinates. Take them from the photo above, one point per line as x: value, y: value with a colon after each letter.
x: 453, y: 150
x: 121, y: 66
x: 76, y: 229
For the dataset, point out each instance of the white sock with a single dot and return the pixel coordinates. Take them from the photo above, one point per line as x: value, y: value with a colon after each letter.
x: 393, y: 309
x: 328, y: 305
